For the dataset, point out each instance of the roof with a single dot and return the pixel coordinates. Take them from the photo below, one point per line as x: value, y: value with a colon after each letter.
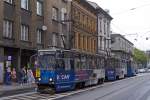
x: 99, y: 9
x: 90, y: 7
x: 119, y: 35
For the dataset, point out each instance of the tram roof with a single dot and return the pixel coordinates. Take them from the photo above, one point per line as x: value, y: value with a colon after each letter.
x: 72, y: 51
x: 53, y: 49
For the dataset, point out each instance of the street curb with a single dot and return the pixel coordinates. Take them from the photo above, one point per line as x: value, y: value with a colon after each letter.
x: 16, y: 91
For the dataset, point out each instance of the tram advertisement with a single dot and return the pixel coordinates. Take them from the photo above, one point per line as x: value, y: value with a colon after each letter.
x: 64, y: 80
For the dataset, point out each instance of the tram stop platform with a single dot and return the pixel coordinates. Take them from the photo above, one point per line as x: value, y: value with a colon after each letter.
x: 14, y: 89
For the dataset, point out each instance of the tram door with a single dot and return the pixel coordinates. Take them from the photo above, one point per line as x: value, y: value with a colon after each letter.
x: 64, y: 73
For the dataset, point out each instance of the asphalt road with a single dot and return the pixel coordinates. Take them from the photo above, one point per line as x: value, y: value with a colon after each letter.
x: 136, y: 88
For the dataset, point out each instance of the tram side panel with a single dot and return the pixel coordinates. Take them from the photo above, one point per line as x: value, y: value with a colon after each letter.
x: 120, y: 69
x: 81, y: 72
x: 130, y: 69
x: 87, y: 71
x: 100, y: 71
x: 96, y: 67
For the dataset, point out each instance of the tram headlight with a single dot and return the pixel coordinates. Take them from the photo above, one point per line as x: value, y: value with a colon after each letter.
x: 50, y: 79
x: 39, y: 79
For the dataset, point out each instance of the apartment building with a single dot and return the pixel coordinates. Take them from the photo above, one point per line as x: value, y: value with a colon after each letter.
x: 29, y: 25
x: 84, y: 27
x: 103, y: 30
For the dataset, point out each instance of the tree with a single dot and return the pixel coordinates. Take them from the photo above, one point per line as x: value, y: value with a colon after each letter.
x: 140, y: 57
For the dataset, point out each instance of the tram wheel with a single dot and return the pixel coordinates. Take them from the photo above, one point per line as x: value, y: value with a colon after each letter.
x: 117, y: 77
x: 101, y: 81
x: 50, y: 91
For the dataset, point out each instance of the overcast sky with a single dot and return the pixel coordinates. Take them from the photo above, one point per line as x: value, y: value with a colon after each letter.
x: 130, y: 17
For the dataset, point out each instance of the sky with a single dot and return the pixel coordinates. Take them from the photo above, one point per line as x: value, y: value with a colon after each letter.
x: 130, y: 18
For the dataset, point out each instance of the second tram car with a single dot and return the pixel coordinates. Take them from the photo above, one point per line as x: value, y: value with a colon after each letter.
x: 110, y: 72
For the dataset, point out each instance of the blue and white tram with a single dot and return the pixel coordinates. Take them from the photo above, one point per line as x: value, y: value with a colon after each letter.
x: 62, y: 70
x: 55, y: 70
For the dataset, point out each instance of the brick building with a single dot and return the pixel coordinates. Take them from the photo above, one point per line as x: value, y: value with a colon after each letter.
x: 28, y: 25
x: 84, y: 27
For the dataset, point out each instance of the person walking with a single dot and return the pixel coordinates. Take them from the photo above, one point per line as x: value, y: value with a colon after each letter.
x: 30, y: 76
x: 13, y: 75
x: 22, y: 76
x: 8, y: 76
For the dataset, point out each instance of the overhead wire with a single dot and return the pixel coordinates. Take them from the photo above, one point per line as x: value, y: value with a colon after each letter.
x: 131, y: 9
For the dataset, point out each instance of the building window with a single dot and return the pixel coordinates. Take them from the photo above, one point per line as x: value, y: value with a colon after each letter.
x: 79, y: 41
x: 39, y: 8
x: 65, y: 1
x: 54, y: 13
x: 105, y: 25
x: 9, y: 1
x: 55, y: 39
x: 63, y: 14
x: 100, y: 24
x: 104, y: 29
x: 24, y: 32
x: 25, y: 4
x: 101, y: 41
x: 7, y: 28
x: 108, y: 29
x: 39, y: 36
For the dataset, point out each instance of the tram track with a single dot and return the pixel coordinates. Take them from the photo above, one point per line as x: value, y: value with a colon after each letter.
x: 120, y: 89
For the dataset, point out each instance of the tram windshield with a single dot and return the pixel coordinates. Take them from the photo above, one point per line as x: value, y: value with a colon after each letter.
x: 47, y: 61
x: 54, y: 60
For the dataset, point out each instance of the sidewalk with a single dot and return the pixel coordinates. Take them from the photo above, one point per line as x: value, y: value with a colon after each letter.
x: 8, y: 90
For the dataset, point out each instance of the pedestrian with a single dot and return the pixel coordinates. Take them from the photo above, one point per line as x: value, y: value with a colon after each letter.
x: 22, y: 76
x: 30, y: 76
x: 8, y: 76
x: 13, y: 75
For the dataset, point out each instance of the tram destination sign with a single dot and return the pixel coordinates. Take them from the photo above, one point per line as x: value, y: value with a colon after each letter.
x: 46, y: 52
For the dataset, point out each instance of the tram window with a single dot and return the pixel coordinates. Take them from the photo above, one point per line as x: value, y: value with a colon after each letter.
x: 90, y: 63
x: 102, y: 63
x: 60, y: 64
x: 83, y: 63
x: 93, y: 64
x: 87, y: 64
x: 51, y: 62
x: 98, y: 64
x: 46, y: 61
x: 72, y: 63
x: 77, y: 64
x: 67, y: 64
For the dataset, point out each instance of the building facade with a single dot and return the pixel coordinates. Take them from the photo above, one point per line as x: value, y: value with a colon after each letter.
x: 84, y: 27
x: 103, y: 30
x: 29, y: 25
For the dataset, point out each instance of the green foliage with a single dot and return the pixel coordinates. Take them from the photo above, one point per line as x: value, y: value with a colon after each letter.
x: 140, y: 56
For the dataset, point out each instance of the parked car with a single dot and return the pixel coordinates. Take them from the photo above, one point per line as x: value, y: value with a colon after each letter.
x: 142, y: 70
